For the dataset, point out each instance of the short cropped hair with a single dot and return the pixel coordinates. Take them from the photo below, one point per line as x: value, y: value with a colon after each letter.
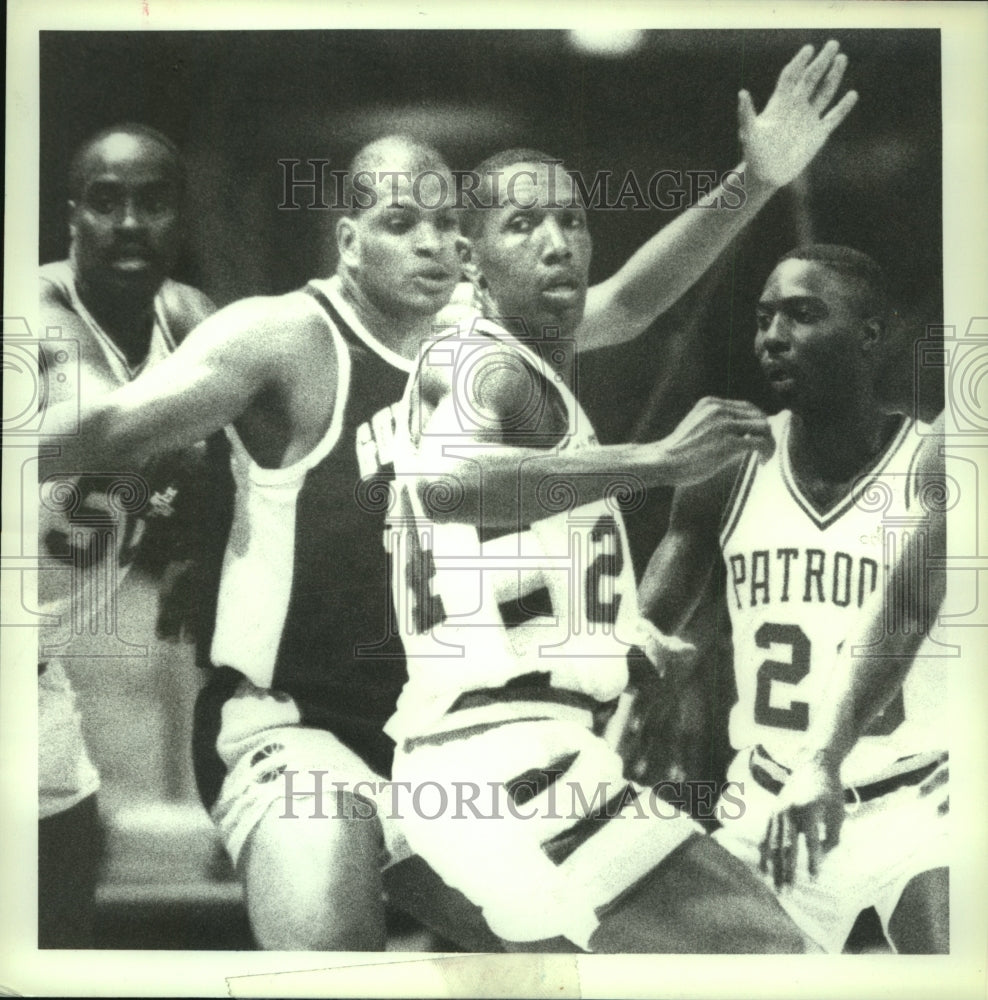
x: 864, y: 271
x: 77, y: 165
x: 382, y: 155
x: 472, y: 216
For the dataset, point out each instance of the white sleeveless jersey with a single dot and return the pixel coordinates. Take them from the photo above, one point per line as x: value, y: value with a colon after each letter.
x: 89, y: 528
x: 488, y: 620
x: 91, y: 525
x: 797, y: 579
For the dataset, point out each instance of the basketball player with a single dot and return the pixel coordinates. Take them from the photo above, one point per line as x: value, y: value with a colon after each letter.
x: 871, y: 669
x: 114, y: 300
x: 804, y: 537
x: 515, y: 580
x: 306, y: 667
x: 308, y: 654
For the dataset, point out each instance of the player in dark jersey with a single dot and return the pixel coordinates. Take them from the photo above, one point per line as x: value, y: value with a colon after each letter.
x: 841, y: 684
x: 278, y: 372
x: 116, y: 313
x: 306, y: 669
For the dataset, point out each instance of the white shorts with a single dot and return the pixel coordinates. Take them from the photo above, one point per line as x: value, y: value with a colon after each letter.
x: 274, y: 762
x: 66, y: 774
x: 540, y: 864
x: 884, y: 843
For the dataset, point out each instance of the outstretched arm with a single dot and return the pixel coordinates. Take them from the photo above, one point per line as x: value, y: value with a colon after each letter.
x: 499, y: 485
x: 246, y: 350
x: 777, y: 145
x: 871, y: 667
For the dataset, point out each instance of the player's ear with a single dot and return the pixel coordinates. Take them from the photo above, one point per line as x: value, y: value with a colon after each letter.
x: 468, y: 263
x: 873, y: 331
x: 348, y: 241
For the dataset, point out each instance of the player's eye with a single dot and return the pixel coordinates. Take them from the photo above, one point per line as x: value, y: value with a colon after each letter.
x: 763, y: 319
x: 520, y: 224
x: 156, y: 203
x: 573, y: 220
x: 399, y: 222
x: 806, y: 314
x: 102, y: 202
x: 446, y: 222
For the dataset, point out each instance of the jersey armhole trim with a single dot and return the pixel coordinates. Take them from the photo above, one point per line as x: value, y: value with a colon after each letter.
x: 913, y: 484
x: 738, y: 498
x: 326, y: 292
x: 162, y: 320
x: 288, y: 473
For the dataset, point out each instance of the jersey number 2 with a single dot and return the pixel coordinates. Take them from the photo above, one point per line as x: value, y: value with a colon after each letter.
x: 607, y: 565
x: 797, y: 714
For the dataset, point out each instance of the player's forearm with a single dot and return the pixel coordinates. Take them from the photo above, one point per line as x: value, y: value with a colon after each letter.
x: 116, y: 433
x: 670, y: 263
x: 78, y: 439
x: 666, y: 267
x: 876, y: 659
x: 672, y: 583
x: 504, y: 488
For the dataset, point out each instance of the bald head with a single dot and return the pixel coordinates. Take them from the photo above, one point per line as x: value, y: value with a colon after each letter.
x: 128, y: 141
x: 397, y: 238
x: 374, y: 170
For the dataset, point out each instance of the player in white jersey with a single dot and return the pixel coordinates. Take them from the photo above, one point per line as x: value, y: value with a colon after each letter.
x: 809, y: 542
x: 516, y: 583
x: 274, y: 370
x: 115, y: 313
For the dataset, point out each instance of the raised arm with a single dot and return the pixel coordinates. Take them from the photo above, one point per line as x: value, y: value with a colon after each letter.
x: 871, y: 668
x: 246, y: 352
x: 502, y: 485
x: 777, y: 145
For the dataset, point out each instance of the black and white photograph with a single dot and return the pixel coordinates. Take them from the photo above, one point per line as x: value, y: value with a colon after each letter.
x: 488, y: 492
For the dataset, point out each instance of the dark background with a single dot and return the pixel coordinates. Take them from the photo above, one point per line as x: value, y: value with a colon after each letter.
x: 238, y: 102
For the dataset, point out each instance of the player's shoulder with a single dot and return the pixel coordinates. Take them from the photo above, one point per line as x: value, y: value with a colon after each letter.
x: 57, y: 308
x: 287, y: 329
x: 493, y: 369
x: 462, y: 310
x: 286, y: 317
x: 458, y: 340
x: 184, y: 307
x: 711, y: 502
x: 54, y: 283
x: 927, y: 439
x: 480, y: 341
x: 715, y: 502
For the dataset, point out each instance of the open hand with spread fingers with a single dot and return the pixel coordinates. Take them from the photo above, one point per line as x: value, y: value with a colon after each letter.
x: 779, y: 143
x: 810, y: 804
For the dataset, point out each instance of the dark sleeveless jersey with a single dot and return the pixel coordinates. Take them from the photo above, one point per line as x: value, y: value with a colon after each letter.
x: 304, y: 596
